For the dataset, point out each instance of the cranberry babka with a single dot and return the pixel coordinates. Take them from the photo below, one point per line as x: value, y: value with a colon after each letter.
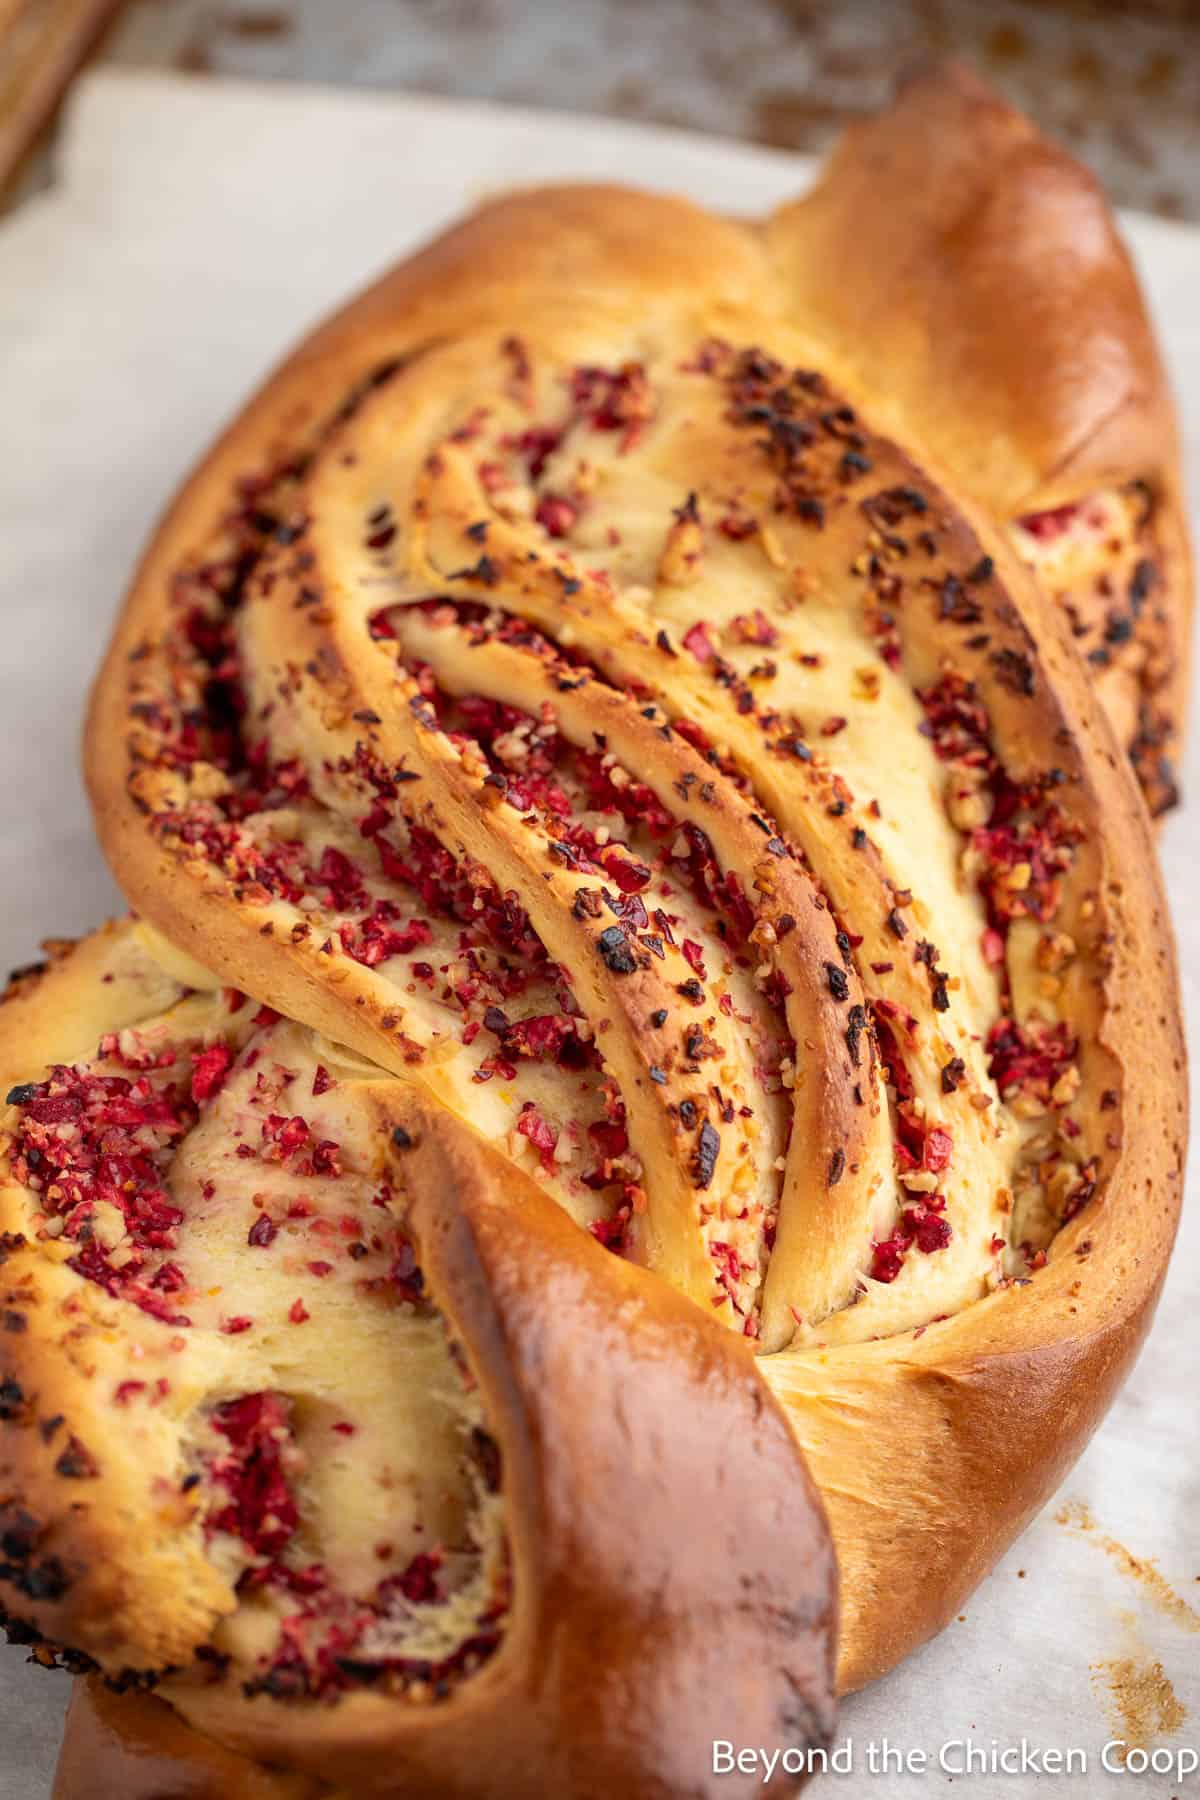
x: 631, y: 717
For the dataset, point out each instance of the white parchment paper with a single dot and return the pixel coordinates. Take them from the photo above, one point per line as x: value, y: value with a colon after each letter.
x: 196, y: 228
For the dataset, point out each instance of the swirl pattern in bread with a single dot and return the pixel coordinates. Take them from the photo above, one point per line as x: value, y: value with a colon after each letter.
x: 322, y: 1421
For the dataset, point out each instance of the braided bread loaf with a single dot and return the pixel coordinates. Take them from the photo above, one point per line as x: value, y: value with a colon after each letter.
x: 614, y: 690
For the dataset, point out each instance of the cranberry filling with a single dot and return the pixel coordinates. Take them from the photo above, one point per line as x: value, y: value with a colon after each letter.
x: 331, y: 1641
x: 261, y: 1509
x: 96, y: 1148
x: 643, y: 855
x: 1022, y: 839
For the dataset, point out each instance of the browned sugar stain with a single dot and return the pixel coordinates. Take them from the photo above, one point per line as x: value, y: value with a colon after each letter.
x: 1142, y: 1704
x: 1075, y: 1516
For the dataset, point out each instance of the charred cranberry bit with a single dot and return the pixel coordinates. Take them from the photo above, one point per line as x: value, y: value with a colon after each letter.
x: 406, y: 1275
x: 615, y: 949
x: 322, y: 1080
x: 262, y: 1232
x: 76, y: 1462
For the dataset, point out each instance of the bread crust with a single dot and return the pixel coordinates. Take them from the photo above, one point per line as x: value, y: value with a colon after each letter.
x: 952, y: 244
x: 933, y: 1445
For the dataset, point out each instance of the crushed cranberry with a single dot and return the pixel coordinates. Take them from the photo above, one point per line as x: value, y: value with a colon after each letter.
x: 210, y: 1068
x: 697, y: 640
x: 614, y: 400
x: 1052, y: 523
x: 556, y: 515
x: 406, y: 1275
x: 382, y: 934
x: 261, y: 1509
x: 924, y: 1225
x: 1029, y: 1059
x: 755, y: 627
x: 289, y: 1140
x: 694, y: 953
x: 541, y: 1134
x: 84, y: 1140
x: 419, y: 1583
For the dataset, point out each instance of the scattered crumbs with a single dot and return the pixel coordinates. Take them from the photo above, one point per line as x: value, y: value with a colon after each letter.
x: 1076, y: 1516
x: 1140, y: 1700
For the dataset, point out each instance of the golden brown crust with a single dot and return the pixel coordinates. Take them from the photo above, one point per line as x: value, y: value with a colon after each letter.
x: 872, y: 526
x: 1025, y: 380
x: 952, y: 245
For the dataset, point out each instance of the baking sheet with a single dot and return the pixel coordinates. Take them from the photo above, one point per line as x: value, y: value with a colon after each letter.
x: 196, y: 227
